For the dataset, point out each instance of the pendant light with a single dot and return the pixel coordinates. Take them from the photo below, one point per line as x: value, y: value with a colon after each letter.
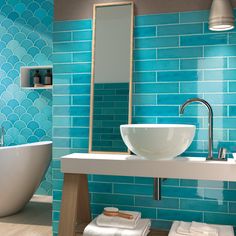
x: 221, y: 16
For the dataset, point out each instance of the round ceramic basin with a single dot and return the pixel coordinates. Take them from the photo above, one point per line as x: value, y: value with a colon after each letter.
x: 157, y: 141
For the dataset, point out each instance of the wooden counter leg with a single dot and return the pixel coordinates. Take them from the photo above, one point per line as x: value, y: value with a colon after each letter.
x: 75, y: 207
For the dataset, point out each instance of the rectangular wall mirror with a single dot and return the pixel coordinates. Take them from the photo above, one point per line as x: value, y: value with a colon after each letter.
x: 111, y: 83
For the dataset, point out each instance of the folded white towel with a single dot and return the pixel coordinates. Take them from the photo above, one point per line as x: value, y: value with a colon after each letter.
x: 203, y: 228
x: 183, y: 228
x: 142, y: 229
x: 114, y: 221
x: 223, y: 230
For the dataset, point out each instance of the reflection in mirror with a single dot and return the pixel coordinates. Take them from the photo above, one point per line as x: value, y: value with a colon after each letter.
x: 111, y: 76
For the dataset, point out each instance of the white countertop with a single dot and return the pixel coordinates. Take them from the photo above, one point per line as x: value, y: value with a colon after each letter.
x: 131, y: 165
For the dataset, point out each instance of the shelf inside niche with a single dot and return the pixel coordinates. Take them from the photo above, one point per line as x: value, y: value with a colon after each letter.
x: 26, y: 76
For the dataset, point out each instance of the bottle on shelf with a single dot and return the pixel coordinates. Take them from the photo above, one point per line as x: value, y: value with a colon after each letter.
x: 48, y: 78
x: 36, y: 78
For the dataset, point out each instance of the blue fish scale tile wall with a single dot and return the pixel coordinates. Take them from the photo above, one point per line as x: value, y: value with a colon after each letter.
x: 25, y: 40
x: 176, y: 57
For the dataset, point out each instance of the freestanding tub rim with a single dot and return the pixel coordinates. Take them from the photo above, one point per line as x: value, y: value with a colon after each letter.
x: 27, y: 145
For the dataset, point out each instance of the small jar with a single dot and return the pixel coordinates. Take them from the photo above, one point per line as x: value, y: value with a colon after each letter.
x: 48, y: 78
x: 36, y: 77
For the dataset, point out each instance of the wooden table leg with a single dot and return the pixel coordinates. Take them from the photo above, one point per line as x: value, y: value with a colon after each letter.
x: 75, y: 207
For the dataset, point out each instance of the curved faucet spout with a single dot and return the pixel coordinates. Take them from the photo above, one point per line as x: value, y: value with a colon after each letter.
x: 210, y: 122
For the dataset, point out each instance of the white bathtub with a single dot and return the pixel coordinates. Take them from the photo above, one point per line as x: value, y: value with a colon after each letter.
x: 22, y: 168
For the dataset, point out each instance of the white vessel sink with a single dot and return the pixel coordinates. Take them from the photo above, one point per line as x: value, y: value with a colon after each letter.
x: 157, y: 141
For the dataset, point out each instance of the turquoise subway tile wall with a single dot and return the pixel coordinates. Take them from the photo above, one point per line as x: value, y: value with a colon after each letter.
x: 25, y: 40
x: 175, y: 58
x: 111, y: 103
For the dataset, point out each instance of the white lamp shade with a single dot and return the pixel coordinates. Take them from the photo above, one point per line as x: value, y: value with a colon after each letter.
x: 221, y: 16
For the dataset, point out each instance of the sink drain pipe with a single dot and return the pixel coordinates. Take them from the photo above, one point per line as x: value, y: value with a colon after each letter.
x: 157, y: 189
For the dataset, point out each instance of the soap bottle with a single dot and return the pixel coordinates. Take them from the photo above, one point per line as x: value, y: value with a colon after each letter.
x: 36, y: 77
x: 48, y: 78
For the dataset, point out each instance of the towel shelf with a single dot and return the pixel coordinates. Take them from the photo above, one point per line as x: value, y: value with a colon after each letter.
x: 75, y: 208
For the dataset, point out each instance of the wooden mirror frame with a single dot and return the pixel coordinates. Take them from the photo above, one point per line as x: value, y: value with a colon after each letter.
x: 93, y: 70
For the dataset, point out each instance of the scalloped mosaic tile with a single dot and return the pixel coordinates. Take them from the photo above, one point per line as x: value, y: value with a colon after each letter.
x: 25, y: 40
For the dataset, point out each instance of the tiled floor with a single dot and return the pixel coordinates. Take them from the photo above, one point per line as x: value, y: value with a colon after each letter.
x: 34, y: 220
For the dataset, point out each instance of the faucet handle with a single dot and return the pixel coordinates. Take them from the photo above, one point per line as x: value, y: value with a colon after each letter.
x: 222, y: 154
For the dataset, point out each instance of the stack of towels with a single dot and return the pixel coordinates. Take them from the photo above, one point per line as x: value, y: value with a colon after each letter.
x: 180, y: 228
x: 118, y: 226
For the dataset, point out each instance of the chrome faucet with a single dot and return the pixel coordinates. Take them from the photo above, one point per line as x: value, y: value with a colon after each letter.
x: 210, y: 122
x: 2, y: 137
